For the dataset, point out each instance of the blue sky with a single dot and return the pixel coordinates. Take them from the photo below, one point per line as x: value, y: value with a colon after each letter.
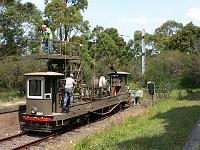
x: 130, y: 15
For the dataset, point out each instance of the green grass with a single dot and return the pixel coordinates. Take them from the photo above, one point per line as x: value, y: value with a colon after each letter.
x: 133, y: 85
x: 8, y: 95
x: 166, y: 125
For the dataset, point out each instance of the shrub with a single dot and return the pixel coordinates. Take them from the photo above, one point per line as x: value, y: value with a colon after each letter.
x: 13, y: 68
x: 173, y: 70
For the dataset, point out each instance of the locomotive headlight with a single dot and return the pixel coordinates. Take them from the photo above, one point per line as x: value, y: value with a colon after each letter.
x: 33, y: 110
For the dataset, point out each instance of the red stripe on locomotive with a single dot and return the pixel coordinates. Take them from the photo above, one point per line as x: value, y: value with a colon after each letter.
x: 28, y: 118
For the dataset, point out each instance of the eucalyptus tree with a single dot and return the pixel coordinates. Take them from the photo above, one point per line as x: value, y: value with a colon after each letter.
x: 16, y: 20
x: 122, y: 48
x: 65, y: 16
x: 164, y: 33
x: 108, y: 48
x: 137, y: 41
x: 187, y: 39
x: 103, y: 46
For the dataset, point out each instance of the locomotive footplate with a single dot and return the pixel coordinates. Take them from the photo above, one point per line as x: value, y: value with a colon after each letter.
x: 40, y: 123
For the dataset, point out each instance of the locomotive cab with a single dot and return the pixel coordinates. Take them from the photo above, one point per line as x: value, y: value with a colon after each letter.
x: 118, y: 82
x: 41, y: 92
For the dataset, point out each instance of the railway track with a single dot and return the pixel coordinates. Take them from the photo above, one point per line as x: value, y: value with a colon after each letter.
x: 36, y: 142
x: 11, y: 137
x: 31, y: 139
x: 20, y: 141
x: 26, y: 140
x: 12, y: 109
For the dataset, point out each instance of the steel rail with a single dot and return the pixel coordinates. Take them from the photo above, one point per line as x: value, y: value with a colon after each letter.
x: 11, y: 137
x: 39, y: 140
x: 54, y: 135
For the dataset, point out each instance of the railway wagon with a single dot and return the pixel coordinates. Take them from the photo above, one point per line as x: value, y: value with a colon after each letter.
x: 45, y: 96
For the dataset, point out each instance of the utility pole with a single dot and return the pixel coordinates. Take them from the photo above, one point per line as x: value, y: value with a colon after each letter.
x: 143, y: 52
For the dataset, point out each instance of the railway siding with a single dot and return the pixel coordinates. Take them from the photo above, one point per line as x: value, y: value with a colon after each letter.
x: 12, y: 108
x: 10, y: 117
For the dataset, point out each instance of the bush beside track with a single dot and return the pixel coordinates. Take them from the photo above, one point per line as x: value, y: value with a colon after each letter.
x: 12, y: 82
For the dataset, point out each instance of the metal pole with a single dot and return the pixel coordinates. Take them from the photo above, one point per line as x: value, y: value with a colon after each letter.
x: 143, y: 52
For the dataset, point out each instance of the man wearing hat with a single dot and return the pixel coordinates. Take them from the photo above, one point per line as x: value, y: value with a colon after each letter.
x: 47, y: 39
x: 69, y: 90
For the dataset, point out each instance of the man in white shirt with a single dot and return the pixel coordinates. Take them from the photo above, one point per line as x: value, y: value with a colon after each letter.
x: 69, y: 90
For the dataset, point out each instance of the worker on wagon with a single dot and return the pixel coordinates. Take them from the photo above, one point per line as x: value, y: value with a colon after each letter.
x: 70, y: 82
x: 47, y: 40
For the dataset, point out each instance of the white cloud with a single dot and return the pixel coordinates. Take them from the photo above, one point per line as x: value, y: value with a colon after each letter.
x: 194, y: 14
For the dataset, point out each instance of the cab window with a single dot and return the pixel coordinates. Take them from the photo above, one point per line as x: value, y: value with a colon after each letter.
x: 47, y: 85
x: 35, y: 88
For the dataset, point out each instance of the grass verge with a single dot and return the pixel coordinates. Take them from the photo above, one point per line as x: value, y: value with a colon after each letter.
x: 166, y: 125
x: 9, y: 95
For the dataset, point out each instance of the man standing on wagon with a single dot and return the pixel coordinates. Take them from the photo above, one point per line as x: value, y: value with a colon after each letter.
x: 70, y: 82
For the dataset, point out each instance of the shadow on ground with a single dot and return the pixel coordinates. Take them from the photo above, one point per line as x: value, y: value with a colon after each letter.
x: 190, y: 95
x: 178, y: 126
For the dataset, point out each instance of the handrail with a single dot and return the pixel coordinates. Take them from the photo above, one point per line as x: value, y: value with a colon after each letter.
x: 53, y: 46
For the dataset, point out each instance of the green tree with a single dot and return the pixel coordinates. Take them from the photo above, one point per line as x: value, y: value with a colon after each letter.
x: 107, y: 48
x: 137, y: 42
x: 123, y: 51
x: 165, y: 70
x: 16, y: 20
x: 12, y: 70
x: 164, y: 33
x: 150, y: 41
x: 66, y: 17
x: 187, y: 39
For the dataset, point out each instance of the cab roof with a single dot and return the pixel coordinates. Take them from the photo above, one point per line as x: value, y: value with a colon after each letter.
x: 119, y: 73
x: 43, y: 74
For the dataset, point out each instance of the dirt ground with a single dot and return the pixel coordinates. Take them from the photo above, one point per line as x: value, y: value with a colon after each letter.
x: 15, y: 101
